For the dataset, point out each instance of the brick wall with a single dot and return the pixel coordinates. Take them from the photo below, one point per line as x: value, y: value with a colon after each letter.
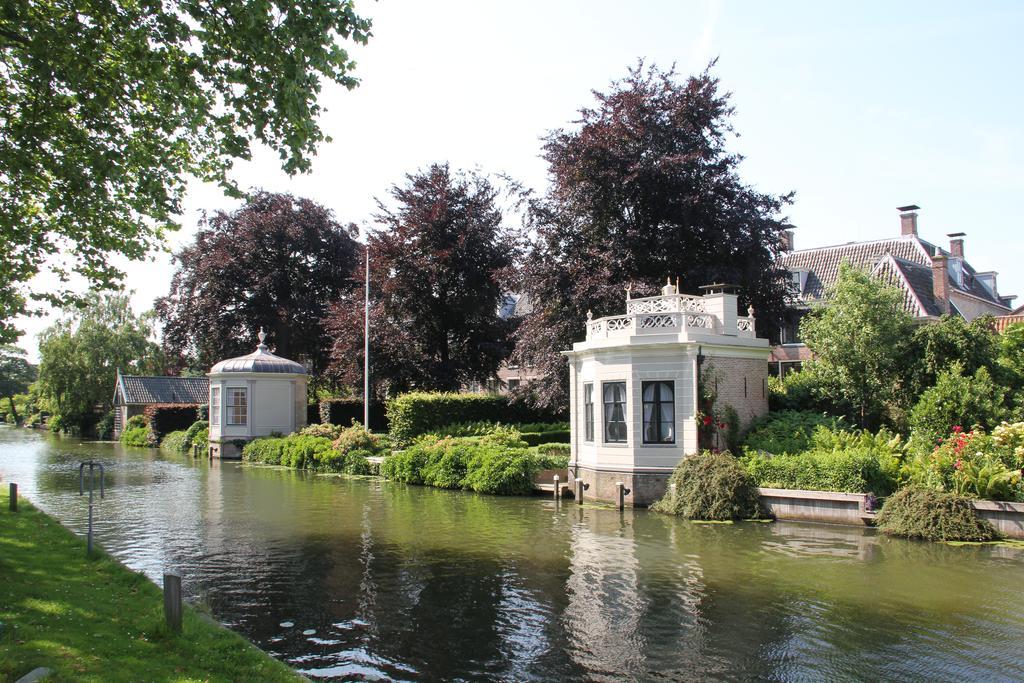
x: 741, y: 383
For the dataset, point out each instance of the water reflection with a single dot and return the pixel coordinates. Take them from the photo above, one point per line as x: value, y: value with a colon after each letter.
x: 360, y: 579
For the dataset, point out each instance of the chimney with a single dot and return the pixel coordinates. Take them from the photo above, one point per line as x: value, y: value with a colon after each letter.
x: 908, y: 219
x: 787, y: 240
x: 940, y: 282
x: 956, y: 244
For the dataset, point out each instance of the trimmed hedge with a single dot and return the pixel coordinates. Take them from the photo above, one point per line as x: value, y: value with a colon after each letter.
x: 195, y: 430
x: 931, y: 515
x: 562, y: 449
x: 343, y: 411
x: 856, y: 470
x: 711, y: 486
x: 164, y: 418
x: 410, y: 415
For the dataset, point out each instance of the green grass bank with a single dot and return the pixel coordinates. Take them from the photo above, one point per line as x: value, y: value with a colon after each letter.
x: 96, y: 620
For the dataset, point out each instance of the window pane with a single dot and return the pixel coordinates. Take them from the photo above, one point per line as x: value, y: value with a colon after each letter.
x: 659, y: 412
x: 615, y: 429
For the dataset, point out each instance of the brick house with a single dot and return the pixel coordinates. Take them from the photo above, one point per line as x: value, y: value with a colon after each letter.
x: 934, y: 281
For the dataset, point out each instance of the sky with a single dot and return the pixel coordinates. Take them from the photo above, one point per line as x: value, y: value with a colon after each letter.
x: 856, y: 107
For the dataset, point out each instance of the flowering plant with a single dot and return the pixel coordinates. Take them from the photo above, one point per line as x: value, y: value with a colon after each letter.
x: 970, y: 463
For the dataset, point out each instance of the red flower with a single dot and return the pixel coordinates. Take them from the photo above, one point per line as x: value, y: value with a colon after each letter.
x: 957, y: 429
x: 722, y: 425
x: 707, y: 420
x: 958, y: 465
x: 940, y: 439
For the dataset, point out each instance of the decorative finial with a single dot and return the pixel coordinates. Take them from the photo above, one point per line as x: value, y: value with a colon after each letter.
x: 262, y: 336
x: 750, y: 311
x: 677, y: 284
x: 668, y: 280
x: 629, y: 290
x: 590, y: 315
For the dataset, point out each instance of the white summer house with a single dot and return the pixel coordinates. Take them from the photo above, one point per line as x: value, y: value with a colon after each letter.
x: 254, y: 395
x: 634, y: 395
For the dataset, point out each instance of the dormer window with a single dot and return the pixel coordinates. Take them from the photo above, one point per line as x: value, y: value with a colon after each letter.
x: 798, y: 281
x: 956, y: 271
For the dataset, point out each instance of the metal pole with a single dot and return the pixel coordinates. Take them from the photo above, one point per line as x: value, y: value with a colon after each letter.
x: 366, y: 342
x: 622, y: 494
x: 88, y: 545
x: 14, y: 497
x: 556, y: 488
x: 579, y: 491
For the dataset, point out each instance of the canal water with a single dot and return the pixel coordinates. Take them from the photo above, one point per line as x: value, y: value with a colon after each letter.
x: 362, y: 579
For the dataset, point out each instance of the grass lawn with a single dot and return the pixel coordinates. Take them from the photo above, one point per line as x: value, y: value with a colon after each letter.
x: 96, y: 620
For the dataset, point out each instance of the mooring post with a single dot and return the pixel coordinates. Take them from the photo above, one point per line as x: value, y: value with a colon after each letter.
x: 14, y: 497
x: 172, y: 601
x: 556, y: 488
x: 579, y: 491
x: 621, y: 488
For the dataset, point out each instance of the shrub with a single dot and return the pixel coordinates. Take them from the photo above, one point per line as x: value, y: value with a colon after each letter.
x: 855, y: 470
x: 136, y: 436
x: 164, y: 418
x: 538, y: 438
x: 968, y: 464
x: 445, y: 463
x: 560, y: 449
x: 198, y: 433
x: 105, y: 427
x: 413, y: 414
x: 789, y: 431
x: 135, y: 421
x: 801, y: 391
x: 265, y: 450
x: 552, y: 462
x: 306, y: 452
x: 357, y: 438
x: 923, y: 513
x: 176, y: 442
x: 957, y: 399
x: 357, y: 462
x: 406, y: 466
x: 496, y: 470
x: 481, y: 428
x: 327, y: 431
x: 710, y: 486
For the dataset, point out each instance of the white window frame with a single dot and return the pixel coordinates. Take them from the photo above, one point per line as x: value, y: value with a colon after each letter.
x: 232, y: 406
x: 215, y: 406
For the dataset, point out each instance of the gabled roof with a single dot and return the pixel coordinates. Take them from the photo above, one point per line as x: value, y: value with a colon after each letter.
x: 137, y: 389
x: 905, y: 262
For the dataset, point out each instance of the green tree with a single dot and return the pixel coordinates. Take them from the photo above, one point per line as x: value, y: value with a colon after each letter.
x: 951, y: 340
x: 957, y: 399
x: 81, y: 354
x: 1010, y: 365
x: 862, y: 343
x: 643, y: 187
x: 16, y: 374
x: 106, y: 109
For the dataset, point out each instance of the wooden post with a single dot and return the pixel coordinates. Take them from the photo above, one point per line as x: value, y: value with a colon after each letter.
x: 621, y: 488
x: 579, y: 491
x: 14, y: 497
x: 172, y: 601
x: 556, y: 488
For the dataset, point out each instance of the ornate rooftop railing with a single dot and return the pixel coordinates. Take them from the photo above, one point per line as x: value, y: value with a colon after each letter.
x: 668, y: 314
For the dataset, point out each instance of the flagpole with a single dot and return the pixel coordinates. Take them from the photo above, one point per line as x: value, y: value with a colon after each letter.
x: 366, y: 342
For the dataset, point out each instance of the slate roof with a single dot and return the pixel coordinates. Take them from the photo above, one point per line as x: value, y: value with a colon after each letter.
x: 140, y: 389
x: 904, y: 262
x: 260, y: 360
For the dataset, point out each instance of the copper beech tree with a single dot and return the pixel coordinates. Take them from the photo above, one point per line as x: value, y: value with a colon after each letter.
x: 277, y: 262
x: 438, y: 259
x: 642, y: 187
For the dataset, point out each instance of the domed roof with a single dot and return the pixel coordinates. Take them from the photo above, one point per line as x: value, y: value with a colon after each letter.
x: 260, y: 360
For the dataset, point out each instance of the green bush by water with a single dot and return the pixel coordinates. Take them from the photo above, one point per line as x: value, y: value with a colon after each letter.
x: 710, y: 486
x: 176, y: 442
x: 930, y: 515
x: 499, y: 463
